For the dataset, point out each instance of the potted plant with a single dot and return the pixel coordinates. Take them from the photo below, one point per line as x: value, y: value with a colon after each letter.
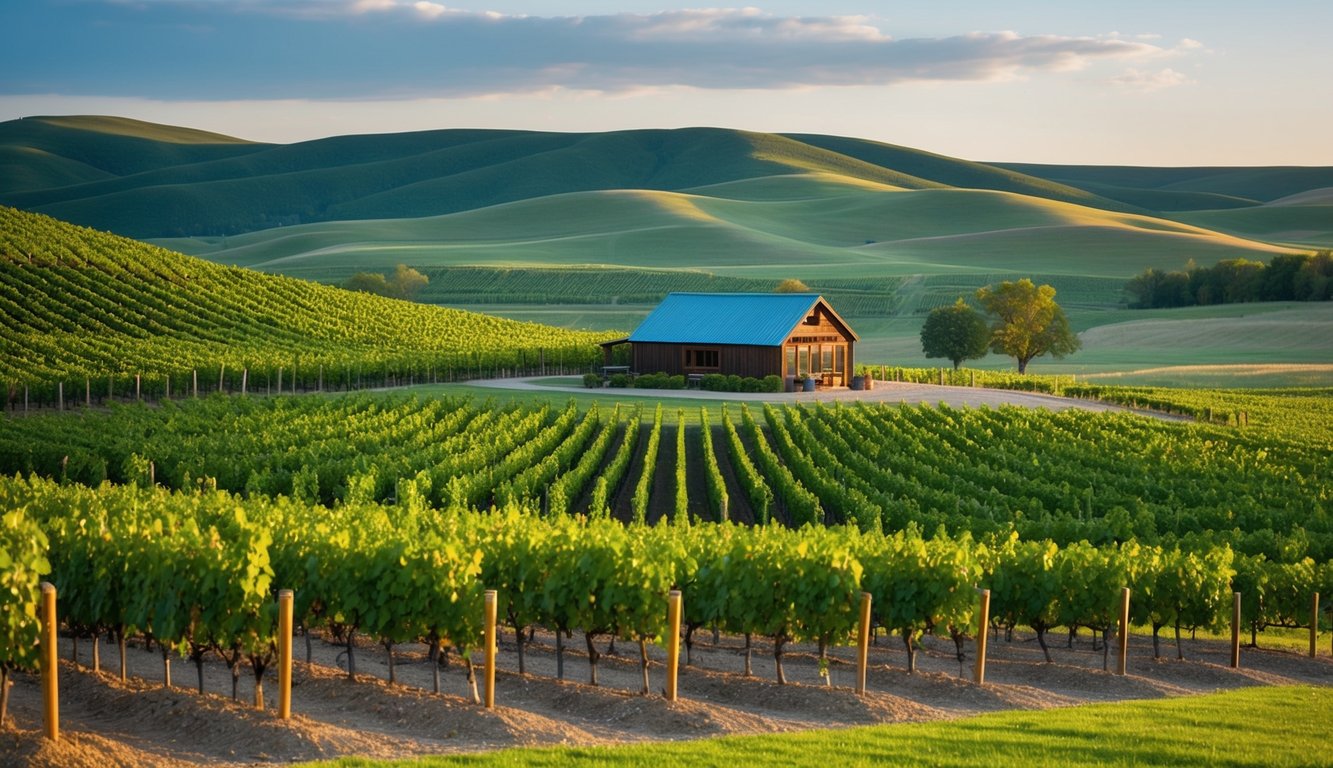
x: 808, y: 383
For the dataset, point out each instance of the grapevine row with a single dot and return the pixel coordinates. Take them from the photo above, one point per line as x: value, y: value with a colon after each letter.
x: 198, y: 571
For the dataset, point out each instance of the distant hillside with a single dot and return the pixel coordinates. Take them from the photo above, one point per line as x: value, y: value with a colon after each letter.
x: 77, y: 302
x: 1183, y: 189
x: 230, y: 188
x: 779, y: 226
x: 52, y: 152
x: 738, y: 208
x: 143, y: 180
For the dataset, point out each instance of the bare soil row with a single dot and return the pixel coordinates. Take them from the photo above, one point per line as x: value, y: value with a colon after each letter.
x: 106, y: 722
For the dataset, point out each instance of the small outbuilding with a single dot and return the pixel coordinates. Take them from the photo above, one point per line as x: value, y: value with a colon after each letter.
x: 788, y: 335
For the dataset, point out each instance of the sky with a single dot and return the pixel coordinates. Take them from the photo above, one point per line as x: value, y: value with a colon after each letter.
x: 1129, y: 82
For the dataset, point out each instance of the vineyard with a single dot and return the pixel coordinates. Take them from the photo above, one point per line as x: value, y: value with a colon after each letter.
x: 173, y: 523
x: 869, y: 296
x: 172, y: 526
x: 1066, y: 476
x: 196, y: 571
x: 88, y: 312
x: 1301, y: 413
x: 1075, y: 291
x: 354, y: 496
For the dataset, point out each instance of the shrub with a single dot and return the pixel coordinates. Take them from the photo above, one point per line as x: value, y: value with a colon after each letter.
x: 620, y: 380
x: 771, y: 383
x: 676, y: 382
x: 592, y: 381
x: 751, y: 384
x: 733, y: 383
x: 714, y: 382
x: 651, y: 381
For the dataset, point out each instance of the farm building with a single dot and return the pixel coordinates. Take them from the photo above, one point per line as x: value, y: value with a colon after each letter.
x: 746, y: 334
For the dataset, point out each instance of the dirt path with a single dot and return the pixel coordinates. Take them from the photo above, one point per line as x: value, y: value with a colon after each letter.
x: 883, y: 392
x: 108, y: 723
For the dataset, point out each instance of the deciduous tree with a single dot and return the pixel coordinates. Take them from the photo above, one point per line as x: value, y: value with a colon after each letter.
x: 1028, y: 323
x: 792, y: 285
x: 957, y: 333
x: 405, y: 283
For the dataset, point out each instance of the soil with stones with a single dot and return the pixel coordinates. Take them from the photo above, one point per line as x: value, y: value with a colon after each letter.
x: 106, y: 722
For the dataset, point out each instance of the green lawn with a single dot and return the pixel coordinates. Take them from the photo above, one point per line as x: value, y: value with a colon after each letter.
x: 1262, y: 726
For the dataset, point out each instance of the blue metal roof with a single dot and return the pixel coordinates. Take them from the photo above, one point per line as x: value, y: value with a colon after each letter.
x: 760, y: 319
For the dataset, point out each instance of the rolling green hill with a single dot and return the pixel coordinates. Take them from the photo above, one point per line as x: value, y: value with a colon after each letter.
x: 248, y: 187
x: 605, y: 224
x: 79, y: 303
x: 759, y: 228
x: 1172, y: 189
x: 1296, y: 224
x: 54, y: 152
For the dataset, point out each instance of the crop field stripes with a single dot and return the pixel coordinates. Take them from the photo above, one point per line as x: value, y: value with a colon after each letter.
x: 1072, y: 291
x: 87, y: 307
x: 466, y: 286
x: 1062, y: 474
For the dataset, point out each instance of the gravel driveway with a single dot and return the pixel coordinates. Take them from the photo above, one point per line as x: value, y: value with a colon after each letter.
x: 884, y: 392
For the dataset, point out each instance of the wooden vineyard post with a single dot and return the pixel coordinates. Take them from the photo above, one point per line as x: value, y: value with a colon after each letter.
x: 1124, y: 631
x: 87, y: 393
x: 490, y: 648
x: 983, y: 626
x: 245, y: 380
x: 50, y: 665
x: 194, y: 381
x: 673, y: 643
x: 1235, y: 630
x: 285, y: 654
x: 60, y: 396
x: 1314, y: 623
x: 863, y: 644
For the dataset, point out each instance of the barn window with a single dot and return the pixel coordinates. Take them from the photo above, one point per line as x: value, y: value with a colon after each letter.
x: 702, y: 359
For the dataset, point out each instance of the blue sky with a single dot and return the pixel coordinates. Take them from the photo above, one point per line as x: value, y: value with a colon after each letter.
x: 1180, y: 83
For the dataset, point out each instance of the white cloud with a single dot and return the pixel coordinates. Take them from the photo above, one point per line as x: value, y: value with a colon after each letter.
x: 423, y: 48
x: 1143, y: 80
x: 366, y: 6
x: 429, y: 10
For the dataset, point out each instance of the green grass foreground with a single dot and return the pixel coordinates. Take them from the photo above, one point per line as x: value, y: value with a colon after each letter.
x: 1264, y: 726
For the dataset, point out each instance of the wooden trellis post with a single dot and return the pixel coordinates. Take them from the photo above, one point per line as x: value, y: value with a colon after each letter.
x: 285, y: 654
x: 673, y: 643
x: 983, y: 626
x: 863, y: 644
x: 50, y: 665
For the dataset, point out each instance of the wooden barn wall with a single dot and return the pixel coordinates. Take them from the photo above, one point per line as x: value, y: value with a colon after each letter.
x: 740, y: 360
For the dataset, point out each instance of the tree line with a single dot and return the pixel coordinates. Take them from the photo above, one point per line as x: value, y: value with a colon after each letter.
x: 1024, y: 323
x: 1287, y: 277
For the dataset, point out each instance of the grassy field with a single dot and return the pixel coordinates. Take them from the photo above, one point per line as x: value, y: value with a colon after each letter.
x: 754, y: 232
x: 1280, y: 726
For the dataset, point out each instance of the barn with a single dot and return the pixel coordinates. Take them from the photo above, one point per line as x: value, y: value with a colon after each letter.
x: 746, y: 334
